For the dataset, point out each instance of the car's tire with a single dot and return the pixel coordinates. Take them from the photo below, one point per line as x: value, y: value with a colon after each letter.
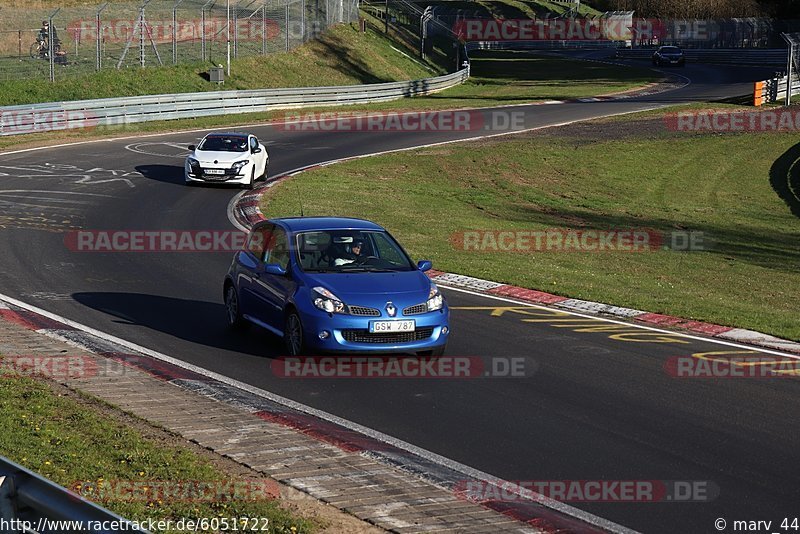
x: 232, y: 309
x: 252, y: 182
x: 264, y: 174
x: 293, y: 335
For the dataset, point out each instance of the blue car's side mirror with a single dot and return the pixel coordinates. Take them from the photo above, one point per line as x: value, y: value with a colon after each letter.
x: 274, y: 268
x: 247, y: 261
x: 424, y: 265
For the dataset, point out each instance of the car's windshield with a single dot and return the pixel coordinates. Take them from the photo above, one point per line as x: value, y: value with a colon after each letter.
x: 671, y: 49
x: 224, y: 143
x: 350, y: 251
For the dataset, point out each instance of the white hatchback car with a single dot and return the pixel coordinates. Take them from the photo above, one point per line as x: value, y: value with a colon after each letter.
x: 231, y: 158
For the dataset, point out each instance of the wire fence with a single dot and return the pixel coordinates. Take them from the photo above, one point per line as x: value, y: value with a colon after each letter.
x: 41, y: 44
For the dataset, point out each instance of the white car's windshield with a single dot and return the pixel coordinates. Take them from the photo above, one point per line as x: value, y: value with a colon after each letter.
x: 350, y: 251
x: 224, y: 143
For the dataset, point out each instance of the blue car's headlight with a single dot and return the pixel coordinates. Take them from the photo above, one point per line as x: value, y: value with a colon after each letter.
x: 236, y: 167
x: 435, y: 299
x: 327, y: 301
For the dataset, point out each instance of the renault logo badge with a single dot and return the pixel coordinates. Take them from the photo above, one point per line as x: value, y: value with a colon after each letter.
x: 391, y: 309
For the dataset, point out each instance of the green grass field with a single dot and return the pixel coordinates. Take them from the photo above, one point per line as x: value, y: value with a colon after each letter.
x: 342, y: 56
x: 72, y: 443
x: 741, y: 191
x: 497, y: 79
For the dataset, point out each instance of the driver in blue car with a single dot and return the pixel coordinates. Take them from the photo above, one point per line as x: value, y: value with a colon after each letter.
x: 349, y: 257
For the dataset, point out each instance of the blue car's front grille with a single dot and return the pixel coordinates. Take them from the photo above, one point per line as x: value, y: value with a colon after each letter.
x: 416, y: 310
x: 363, y: 311
x: 365, y: 336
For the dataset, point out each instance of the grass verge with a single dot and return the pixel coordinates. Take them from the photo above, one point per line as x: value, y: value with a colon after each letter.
x: 341, y: 56
x: 740, y: 190
x: 70, y: 442
x: 498, y: 79
x: 517, y: 77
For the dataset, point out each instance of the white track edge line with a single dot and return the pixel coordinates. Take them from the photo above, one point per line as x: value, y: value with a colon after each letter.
x: 380, y: 436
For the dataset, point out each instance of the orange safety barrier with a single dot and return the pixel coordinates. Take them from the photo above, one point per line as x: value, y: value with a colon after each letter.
x: 758, y: 94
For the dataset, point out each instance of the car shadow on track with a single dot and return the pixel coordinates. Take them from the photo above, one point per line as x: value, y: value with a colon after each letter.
x: 784, y: 177
x: 200, y: 322
x: 171, y: 174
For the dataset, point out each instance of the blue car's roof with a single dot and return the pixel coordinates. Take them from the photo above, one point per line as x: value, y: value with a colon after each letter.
x: 304, y: 224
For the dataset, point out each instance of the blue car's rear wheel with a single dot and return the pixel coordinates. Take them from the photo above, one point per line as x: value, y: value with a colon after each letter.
x: 233, y: 311
x: 293, y: 335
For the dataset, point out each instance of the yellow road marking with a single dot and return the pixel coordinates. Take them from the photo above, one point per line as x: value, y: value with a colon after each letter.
x: 498, y: 311
x: 567, y: 320
x: 649, y: 337
x: 560, y: 319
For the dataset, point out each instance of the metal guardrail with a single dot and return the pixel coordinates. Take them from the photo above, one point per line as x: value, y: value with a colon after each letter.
x: 26, y: 496
x: 739, y: 56
x: 31, y: 118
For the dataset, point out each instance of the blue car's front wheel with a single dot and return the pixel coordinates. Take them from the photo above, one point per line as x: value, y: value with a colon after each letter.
x: 293, y: 334
x: 233, y: 311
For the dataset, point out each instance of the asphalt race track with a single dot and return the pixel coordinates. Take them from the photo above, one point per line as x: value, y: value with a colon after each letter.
x: 597, y: 404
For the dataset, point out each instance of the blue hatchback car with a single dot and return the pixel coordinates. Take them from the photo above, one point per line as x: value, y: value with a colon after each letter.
x: 330, y: 284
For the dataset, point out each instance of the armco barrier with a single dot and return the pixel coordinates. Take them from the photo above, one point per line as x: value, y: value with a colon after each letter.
x: 31, y: 118
x: 24, y: 495
x: 733, y: 56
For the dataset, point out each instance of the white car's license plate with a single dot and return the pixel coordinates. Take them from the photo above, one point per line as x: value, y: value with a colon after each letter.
x: 391, y: 326
x: 215, y: 171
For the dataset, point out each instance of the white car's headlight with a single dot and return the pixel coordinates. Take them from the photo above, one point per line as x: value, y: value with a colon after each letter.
x: 327, y: 301
x: 236, y: 167
x: 435, y: 299
x: 192, y: 161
